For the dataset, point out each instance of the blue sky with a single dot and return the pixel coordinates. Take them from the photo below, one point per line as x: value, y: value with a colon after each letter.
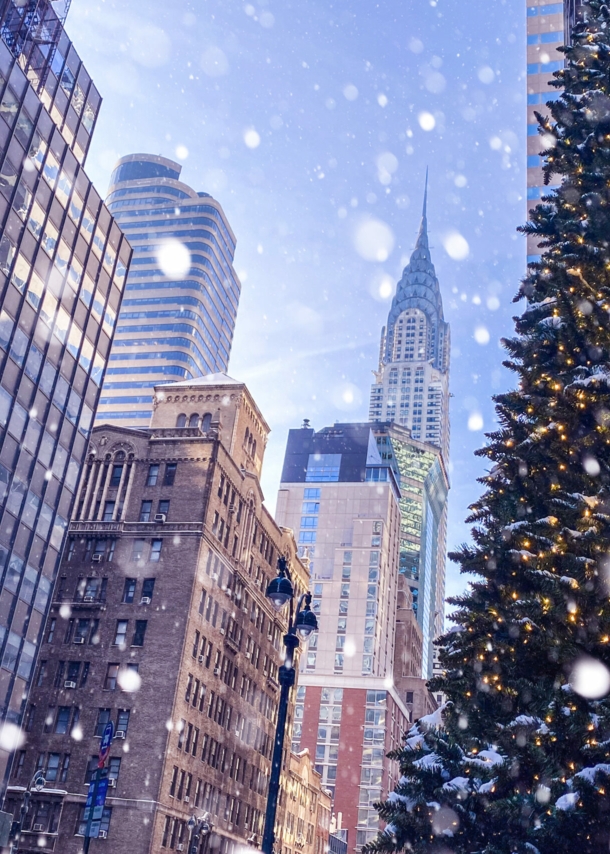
x: 312, y: 122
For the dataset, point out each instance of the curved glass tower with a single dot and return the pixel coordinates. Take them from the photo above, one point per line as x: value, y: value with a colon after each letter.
x: 410, y: 403
x: 174, y: 323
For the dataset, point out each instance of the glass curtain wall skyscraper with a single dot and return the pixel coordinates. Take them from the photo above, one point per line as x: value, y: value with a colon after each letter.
x: 178, y: 315
x: 410, y: 403
x: 63, y: 266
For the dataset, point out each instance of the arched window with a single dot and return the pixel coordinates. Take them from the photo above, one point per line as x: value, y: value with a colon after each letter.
x: 253, y: 452
x: 194, y: 420
x: 206, y: 422
x: 181, y: 422
x: 246, y: 437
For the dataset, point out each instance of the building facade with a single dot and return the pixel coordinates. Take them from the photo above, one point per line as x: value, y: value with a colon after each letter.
x: 63, y: 264
x: 549, y: 26
x: 343, y: 500
x: 410, y: 409
x: 182, y: 293
x: 160, y: 624
x: 307, y: 809
x: 424, y: 486
x: 412, y: 381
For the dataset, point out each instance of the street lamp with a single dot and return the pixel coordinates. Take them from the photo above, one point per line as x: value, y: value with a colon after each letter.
x: 198, y: 827
x: 38, y: 783
x: 281, y: 591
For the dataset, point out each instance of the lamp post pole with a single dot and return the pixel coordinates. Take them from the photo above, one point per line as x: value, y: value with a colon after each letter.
x: 280, y: 592
x: 37, y: 782
x: 199, y: 827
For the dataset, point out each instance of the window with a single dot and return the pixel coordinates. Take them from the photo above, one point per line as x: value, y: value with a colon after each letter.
x: 103, y: 716
x: 42, y: 672
x: 172, y: 785
x: 122, y: 721
x: 104, y: 821
x: 137, y: 549
x: 82, y: 629
x: 108, y: 511
x: 170, y: 474
x: 153, y: 475
x: 62, y: 720
x: 112, y: 672
x: 129, y: 590
x: 114, y: 766
x: 91, y: 768
x: 148, y: 587
x: 155, y: 550
x: 164, y: 507
x: 52, y: 770
x: 51, y: 630
x: 115, y: 477
x: 140, y: 631
x: 323, y: 467
x: 121, y: 632
x: 145, y: 511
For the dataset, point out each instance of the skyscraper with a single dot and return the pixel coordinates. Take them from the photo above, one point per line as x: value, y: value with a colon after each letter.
x: 410, y: 408
x: 424, y: 486
x: 548, y: 27
x: 63, y: 263
x: 415, y: 348
x: 178, y: 315
x: 342, y: 500
x: 545, y: 33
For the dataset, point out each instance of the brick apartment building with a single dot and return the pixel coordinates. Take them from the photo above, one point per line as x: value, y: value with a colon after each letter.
x: 159, y: 622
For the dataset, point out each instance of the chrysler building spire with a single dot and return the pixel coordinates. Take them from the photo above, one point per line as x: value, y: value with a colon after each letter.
x: 415, y: 342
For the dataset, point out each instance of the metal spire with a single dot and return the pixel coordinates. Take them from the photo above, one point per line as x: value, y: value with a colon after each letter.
x: 422, y: 237
x: 424, y: 209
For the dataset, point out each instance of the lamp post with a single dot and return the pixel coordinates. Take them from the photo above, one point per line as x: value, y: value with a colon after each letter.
x: 38, y: 783
x: 301, y: 624
x: 198, y: 827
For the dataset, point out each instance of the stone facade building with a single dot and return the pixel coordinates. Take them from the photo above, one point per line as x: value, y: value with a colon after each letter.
x: 63, y: 263
x: 307, y: 809
x: 160, y: 623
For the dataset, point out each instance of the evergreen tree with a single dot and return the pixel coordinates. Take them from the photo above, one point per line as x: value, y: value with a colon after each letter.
x: 518, y: 761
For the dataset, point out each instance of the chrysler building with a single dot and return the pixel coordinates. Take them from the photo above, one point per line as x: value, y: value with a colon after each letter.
x: 412, y: 382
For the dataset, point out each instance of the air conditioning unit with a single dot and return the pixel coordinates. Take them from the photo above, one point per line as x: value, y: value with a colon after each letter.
x: 97, y: 557
x: 112, y: 783
x: 38, y: 827
x: 248, y: 655
x: 222, y: 632
x: 217, y: 671
x: 102, y: 834
x: 187, y: 799
x: 269, y: 637
x: 145, y: 600
x: 79, y: 640
x: 120, y: 733
x: 160, y: 517
x: 200, y: 659
x: 89, y: 599
x: 69, y: 684
x: 180, y: 846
